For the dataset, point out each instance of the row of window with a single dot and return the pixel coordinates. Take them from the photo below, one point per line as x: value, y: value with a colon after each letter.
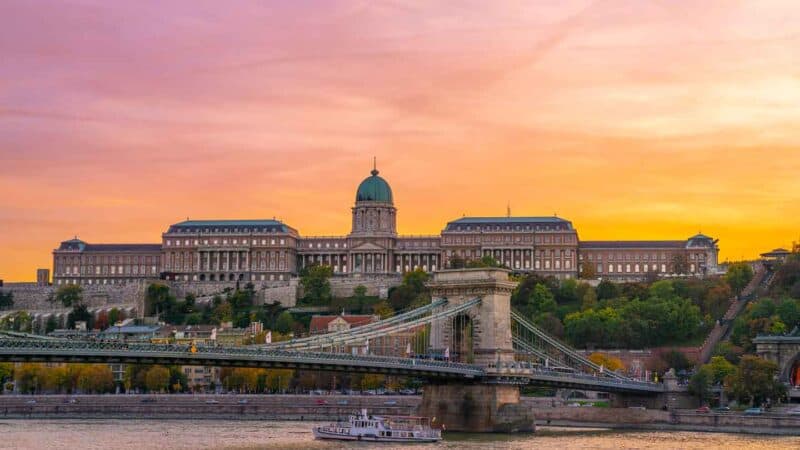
x: 509, y: 228
x: 636, y: 268
x: 226, y: 230
x: 106, y: 259
x: 106, y: 270
x: 477, y: 239
x: 638, y: 256
x: 225, y: 241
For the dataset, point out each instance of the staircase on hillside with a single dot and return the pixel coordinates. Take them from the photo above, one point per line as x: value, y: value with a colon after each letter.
x: 724, y: 325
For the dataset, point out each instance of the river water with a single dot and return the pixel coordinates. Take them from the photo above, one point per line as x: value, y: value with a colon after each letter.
x: 227, y: 434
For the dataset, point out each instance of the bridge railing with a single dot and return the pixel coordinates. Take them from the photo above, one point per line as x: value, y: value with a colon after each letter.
x: 314, y: 340
x: 112, y: 348
x: 559, y: 351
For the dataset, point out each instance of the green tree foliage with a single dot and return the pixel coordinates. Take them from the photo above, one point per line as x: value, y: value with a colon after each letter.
x: 158, y: 299
x: 383, y: 309
x: 607, y: 290
x: 634, y: 323
x: 486, y: 261
x: 80, y: 313
x: 6, y: 372
x: 157, y: 379
x: 412, y: 290
x: 567, y: 292
x: 315, y: 281
x: 765, y: 316
x: 69, y: 295
x: 589, y: 300
x: 738, y: 275
x: 285, y: 323
x: 730, y: 352
x: 456, y: 262
x: 755, y: 381
x: 6, y: 300
x: 700, y: 384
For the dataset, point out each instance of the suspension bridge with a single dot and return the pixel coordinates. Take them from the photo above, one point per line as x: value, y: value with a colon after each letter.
x: 471, y: 346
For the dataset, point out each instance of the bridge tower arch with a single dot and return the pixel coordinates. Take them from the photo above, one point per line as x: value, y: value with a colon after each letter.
x: 489, y: 322
x: 475, y: 405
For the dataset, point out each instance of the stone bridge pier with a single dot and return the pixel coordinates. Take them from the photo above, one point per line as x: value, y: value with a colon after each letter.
x: 481, y: 335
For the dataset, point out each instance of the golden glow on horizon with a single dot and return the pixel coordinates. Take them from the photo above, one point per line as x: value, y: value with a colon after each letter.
x: 631, y: 119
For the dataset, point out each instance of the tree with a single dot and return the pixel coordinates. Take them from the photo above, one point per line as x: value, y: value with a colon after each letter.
x: 80, y: 313
x: 607, y: 290
x: 719, y: 369
x: 589, y: 300
x: 485, y: 261
x: 588, y: 271
x: 69, y: 295
x: 567, y: 292
x: 662, y: 290
x: 285, y: 323
x: 542, y: 300
x: 360, y: 296
x: 6, y: 372
x: 382, y: 309
x: 755, y: 381
x: 717, y: 300
x: 457, y: 262
x: 158, y: 299
x: 29, y: 378
x: 738, y: 276
x: 608, y: 362
x: 95, y: 378
x: 114, y: 316
x: 157, y: 379
x: 700, y: 384
x: 316, y: 285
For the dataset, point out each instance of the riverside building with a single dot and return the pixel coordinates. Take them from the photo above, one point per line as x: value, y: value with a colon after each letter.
x: 270, y: 250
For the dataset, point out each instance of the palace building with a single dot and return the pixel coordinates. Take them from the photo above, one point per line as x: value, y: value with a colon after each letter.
x: 270, y: 250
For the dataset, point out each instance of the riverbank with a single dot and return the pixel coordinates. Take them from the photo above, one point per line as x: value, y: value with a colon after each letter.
x: 656, y: 420
x: 334, y: 407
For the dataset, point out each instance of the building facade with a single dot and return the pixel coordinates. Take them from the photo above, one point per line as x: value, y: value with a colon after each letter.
x: 270, y: 250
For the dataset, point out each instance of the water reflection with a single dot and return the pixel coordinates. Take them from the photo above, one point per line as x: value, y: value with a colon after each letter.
x: 207, y: 434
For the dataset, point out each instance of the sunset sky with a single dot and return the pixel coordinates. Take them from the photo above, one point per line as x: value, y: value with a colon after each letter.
x: 631, y: 118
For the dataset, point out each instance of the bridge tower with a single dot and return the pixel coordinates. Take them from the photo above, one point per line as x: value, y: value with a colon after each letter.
x: 480, y: 405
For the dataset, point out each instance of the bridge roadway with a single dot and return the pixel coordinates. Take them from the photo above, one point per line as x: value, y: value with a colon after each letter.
x: 27, y: 350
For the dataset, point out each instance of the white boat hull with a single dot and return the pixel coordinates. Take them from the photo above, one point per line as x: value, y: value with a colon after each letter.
x: 321, y: 434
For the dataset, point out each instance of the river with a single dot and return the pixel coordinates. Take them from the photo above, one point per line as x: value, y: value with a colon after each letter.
x: 241, y: 435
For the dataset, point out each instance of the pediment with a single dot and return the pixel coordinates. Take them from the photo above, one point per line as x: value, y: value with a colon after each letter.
x: 367, y: 246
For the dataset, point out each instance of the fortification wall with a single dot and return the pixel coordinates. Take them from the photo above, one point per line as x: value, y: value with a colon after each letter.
x: 377, y: 286
x: 31, y: 297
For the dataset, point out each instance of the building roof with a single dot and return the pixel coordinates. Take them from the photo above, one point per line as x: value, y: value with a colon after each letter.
x: 79, y: 245
x: 132, y: 329
x: 123, y: 247
x: 603, y: 245
x: 533, y: 221
x: 320, y: 323
x: 168, y: 330
x: 374, y: 189
x: 264, y: 225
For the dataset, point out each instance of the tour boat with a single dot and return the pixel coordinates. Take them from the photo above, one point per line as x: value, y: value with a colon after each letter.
x: 363, y: 427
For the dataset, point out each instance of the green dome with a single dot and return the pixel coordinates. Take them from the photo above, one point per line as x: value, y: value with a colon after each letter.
x: 374, y: 189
